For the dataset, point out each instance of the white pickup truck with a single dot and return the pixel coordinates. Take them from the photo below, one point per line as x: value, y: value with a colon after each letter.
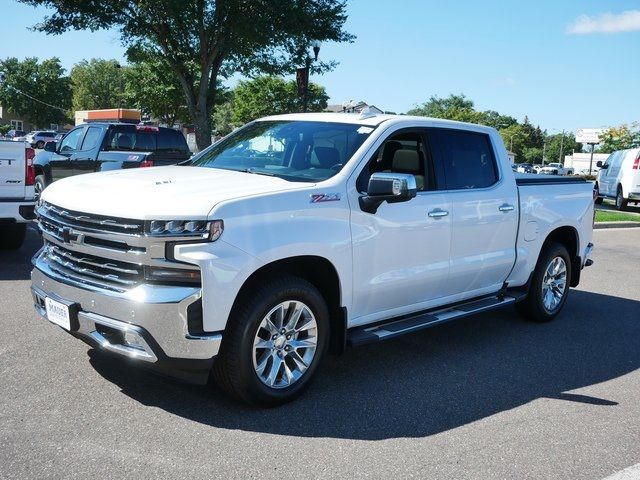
x: 17, y: 179
x: 301, y: 234
x: 555, y: 169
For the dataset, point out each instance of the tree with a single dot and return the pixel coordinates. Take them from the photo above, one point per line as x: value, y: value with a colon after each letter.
x: 620, y: 138
x: 204, y: 40
x: 553, y: 153
x: 97, y: 83
x: 223, y: 123
x: 152, y: 87
x: 454, y: 107
x: 38, y: 91
x: 515, y: 139
x: 269, y: 95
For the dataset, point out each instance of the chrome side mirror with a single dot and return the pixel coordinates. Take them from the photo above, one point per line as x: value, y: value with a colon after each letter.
x: 388, y: 187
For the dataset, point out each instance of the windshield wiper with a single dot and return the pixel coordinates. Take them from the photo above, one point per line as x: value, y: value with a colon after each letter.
x: 257, y: 172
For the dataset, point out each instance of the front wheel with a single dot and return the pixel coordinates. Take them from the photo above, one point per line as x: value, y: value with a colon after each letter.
x: 549, y: 286
x: 274, y: 342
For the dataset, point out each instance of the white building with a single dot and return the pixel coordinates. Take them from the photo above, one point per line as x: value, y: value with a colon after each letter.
x: 580, y: 161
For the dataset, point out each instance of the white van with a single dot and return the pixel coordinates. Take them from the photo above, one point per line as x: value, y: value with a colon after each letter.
x: 619, y: 178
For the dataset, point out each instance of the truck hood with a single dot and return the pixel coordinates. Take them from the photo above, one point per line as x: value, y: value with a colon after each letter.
x: 160, y: 193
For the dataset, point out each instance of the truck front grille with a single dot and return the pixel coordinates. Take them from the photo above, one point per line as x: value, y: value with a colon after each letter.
x: 92, y: 270
x: 56, y: 216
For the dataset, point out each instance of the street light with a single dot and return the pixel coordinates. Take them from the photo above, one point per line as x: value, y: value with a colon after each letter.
x: 302, y: 74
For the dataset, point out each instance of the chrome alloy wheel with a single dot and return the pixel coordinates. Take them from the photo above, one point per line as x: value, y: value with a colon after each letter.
x: 285, y: 344
x: 554, y: 284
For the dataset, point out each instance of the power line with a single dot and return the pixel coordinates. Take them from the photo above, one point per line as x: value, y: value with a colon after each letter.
x: 30, y: 96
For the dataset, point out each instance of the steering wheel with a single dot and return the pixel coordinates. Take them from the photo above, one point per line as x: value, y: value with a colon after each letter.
x: 337, y: 166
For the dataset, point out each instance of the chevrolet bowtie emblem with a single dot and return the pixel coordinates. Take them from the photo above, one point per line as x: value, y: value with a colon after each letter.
x: 65, y: 234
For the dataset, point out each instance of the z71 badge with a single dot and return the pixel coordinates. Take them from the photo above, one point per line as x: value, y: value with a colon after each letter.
x: 325, y: 197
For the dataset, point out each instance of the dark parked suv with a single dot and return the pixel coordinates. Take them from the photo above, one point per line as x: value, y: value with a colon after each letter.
x: 95, y: 147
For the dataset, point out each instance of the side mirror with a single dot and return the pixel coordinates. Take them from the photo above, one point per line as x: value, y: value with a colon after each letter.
x: 388, y: 187
x: 50, y: 146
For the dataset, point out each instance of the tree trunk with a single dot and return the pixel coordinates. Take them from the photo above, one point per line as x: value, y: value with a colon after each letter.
x: 202, y: 122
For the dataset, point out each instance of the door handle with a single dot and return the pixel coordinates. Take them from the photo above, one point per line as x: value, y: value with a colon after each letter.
x: 438, y: 213
x: 506, y: 208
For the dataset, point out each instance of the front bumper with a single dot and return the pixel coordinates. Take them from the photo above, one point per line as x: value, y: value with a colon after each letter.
x: 155, y: 314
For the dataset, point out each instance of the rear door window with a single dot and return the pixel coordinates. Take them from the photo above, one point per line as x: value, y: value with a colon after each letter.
x: 467, y: 158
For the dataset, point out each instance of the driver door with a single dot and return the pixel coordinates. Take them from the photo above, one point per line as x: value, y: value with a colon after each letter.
x: 401, y: 252
x: 61, y: 160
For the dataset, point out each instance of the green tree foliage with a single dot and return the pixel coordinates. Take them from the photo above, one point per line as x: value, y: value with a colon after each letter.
x: 97, y: 83
x: 223, y: 123
x: 152, y: 87
x: 454, y: 107
x: 37, y: 90
x: 204, y: 40
x: 462, y: 109
x: 270, y: 95
x: 555, y: 142
x: 621, y: 137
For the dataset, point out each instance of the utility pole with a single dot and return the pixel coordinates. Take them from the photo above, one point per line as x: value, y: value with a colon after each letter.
x: 561, y: 147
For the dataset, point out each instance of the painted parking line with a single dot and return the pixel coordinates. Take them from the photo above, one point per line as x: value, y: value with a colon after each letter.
x: 631, y: 473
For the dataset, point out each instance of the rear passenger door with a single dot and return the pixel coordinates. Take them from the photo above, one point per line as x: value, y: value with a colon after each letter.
x: 484, y: 211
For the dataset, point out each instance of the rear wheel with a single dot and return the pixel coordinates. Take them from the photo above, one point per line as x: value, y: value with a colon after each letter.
x: 39, y: 185
x: 621, y: 203
x: 273, y: 343
x: 12, y: 236
x: 549, y: 285
x: 599, y: 199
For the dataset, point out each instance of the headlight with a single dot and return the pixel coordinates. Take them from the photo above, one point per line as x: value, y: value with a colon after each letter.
x: 209, y: 230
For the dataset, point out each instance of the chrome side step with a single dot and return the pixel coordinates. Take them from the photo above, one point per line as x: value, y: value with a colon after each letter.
x: 407, y: 324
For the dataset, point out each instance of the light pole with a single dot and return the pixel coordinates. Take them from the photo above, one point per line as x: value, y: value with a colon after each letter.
x: 302, y: 75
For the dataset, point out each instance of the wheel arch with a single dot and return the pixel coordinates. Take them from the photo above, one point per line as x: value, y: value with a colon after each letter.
x: 318, y: 271
x: 567, y: 236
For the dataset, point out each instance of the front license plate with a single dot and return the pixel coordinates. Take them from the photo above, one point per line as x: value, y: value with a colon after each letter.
x: 58, y: 313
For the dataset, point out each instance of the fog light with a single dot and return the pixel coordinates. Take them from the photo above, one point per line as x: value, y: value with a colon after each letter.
x: 132, y: 339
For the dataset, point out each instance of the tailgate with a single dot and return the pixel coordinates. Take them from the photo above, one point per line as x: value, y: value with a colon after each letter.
x: 12, y: 167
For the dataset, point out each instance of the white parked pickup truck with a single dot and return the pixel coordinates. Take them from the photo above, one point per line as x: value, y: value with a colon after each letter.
x: 555, y: 169
x: 17, y: 178
x: 301, y: 234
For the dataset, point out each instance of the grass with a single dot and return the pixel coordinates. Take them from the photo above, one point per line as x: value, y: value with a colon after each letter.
x: 607, y: 216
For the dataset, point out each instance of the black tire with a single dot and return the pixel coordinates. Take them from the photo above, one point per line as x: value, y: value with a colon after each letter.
x: 12, y: 236
x: 532, y: 307
x: 39, y: 186
x: 599, y: 199
x: 234, y: 369
x: 621, y: 203
x: 40, y: 144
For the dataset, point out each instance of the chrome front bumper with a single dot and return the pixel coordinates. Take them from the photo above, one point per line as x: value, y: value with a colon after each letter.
x: 156, y: 314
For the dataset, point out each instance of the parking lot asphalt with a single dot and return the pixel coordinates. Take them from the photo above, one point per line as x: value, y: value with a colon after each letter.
x: 486, y: 397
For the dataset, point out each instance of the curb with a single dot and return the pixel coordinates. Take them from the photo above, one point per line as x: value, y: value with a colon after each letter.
x: 603, y: 225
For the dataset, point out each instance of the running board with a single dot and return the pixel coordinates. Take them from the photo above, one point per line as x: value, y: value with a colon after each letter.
x: 399, y: 326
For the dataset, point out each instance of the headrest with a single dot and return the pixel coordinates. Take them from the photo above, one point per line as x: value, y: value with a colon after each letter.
x: 325, y: 157
x: 406, y: 161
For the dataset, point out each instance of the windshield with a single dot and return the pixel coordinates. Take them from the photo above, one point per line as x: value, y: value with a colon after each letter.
x: 292, y: 150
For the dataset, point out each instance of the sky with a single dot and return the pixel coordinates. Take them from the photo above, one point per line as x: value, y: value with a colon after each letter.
x: 566, y: 64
